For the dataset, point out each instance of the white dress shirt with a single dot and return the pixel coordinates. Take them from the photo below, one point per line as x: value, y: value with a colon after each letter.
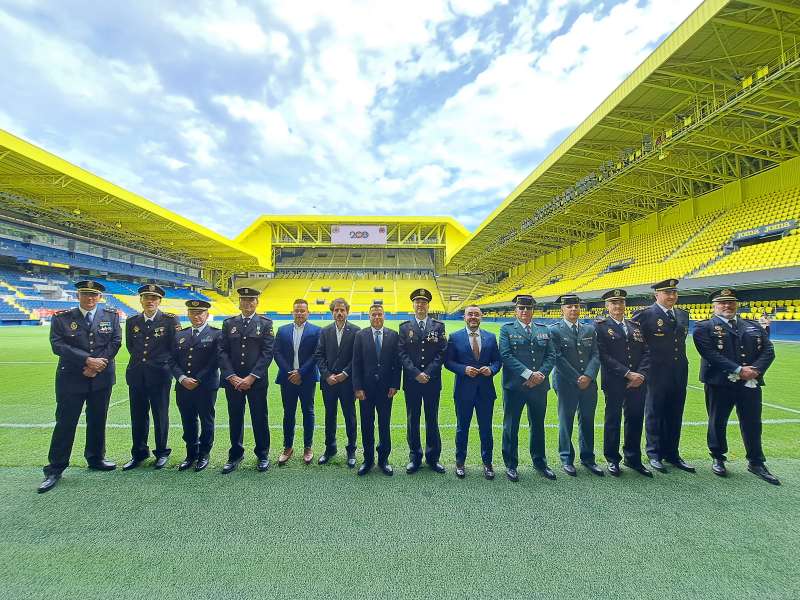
x: 297, y: 336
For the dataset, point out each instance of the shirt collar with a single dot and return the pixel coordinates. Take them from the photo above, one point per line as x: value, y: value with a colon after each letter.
x: 300, y: 327
x: 201, y: 328
x: 521, y: 324
x: 423, y: 321
x: 250, y: 317
x: 622, y: 322
x: 85, y: 312
x: 665, y: 309
x: 146, y: 318
x: 727, y: 321
x: 469, y: 332
x: 570, y: 324
x: 340, y: 328
x: 375, y: 330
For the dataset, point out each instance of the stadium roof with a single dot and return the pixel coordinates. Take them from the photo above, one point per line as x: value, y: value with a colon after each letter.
x: 717, y: 101
x: 43, y: 186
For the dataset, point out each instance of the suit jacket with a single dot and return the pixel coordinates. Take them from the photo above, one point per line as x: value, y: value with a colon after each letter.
x: 422, y: 353
x: 376, y: 372
x: 150, y: 347
x: 723, y: 350
x: 334, y: 358
x: 284, y: 353
x: 460, y: 356
x: 575, y: 355
x: 620, y: 353
x: 666, y: 341
x: 197, y: 357
x: 246, y: 350
x: 73, y: 342
x: 521, y: 351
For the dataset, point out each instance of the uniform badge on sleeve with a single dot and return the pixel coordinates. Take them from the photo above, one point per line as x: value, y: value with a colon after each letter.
x: 660, y: 322
x: 181, y: 340
x: 73, y: 326
x: 233, y: 329
x: 136, y: 329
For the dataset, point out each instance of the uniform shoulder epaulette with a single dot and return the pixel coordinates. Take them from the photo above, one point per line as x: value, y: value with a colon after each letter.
x: 62, y: 312
x: 170, y: 315
x: 540, y: 324
x: 601, y: 319
x: 404, y: 322
x: 230, y: 318
x: 111, y: 310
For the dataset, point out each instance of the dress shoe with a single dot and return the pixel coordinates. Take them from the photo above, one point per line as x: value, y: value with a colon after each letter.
x: 365, y: 468
x: 570, y: 470
x: 488, y: 472
x: 438, y: 467
x: 186, y: 463
x: 48, y: 484
x: 263, y: 464
x: 547, y: 472
x: 387, y: 469
x: 308, y: 455
x: 640, y: 468
x: 461, y: 472
x: 412, y: 467
x: 230, y: 466
x: 658, y: 465
x: 512, y: 475
x: 351, y: 460
x: 718, y: 467
x: 594, y: 468
x: 682, y: 465
x: 285, y: 456
x: 761, y: 471
x: 324, y: 459
x: 103, y: 465
x: 613, y: 469
x: 202, y: 463
x: 161, y: 462
x: 131, y: 464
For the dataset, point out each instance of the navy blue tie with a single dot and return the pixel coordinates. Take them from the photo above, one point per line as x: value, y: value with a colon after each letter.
x: 89, y: 320
x: 378, y: 343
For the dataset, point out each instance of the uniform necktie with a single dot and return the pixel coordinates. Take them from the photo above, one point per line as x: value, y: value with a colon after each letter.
x: 671, y: 315
x: 422, y: 326
x: 378, y: 343
x: 476, y: 351
x: 575, y: 329
x: 246, y: 321
x: 195, y: 333
x: 88, y: 319
x: 528, y: 329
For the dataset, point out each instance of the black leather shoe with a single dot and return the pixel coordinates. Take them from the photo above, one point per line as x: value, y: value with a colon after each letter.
x: 202, y: 463
x: 364, y: 468
x: 103, y: 465
x: 613, y: 469
x: 131, y: 464
x: 658, y: 465
x: 412, y: 467
x: 387, y: 469
x: 438, y: 467
x: 761, y: 471
x: 351, y: 460
x: 48, y: 484
x: 682, y: 465
x: 547, y: 472
x: 512, y: 475
x: 461, y: 472
x: 594, y: 468
x: 186, y: 464
x: 324, y: 459
x: 639, y: 468
x: 263, y: 464
x: 161, y: 462
x: 488, y: 472
x: 718, y: 467
x: 230, y: 466
x: 570, y: 470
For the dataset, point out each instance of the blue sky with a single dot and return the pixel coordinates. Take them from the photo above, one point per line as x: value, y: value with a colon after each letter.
x: 223, y: 111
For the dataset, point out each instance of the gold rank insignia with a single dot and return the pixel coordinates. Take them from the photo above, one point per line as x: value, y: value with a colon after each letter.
x: 73, y: 326
x: 610, y: 332
x: 194, y: 303
x: 136, y: 329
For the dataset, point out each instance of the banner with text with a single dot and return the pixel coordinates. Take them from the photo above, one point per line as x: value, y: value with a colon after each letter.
x: 358, y: 234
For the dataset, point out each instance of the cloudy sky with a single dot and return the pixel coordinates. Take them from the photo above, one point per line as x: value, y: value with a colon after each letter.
x: 223, y: 111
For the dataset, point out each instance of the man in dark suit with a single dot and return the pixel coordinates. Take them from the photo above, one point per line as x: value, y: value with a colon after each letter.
x: 625, y: 363
x: 575, y: 383
x: 334, y: 356
x: 86, y: 339
x: 376, y: 379
x: 295, y: 345
x: 423, y: 343
x: 148, y: 338
x: 664, y: 328
x: 473, y: 355
x: 245, y: 355
x: 195, y: 366
x: 735, y: 354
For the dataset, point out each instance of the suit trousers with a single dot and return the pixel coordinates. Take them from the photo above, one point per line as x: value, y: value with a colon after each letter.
x: 483, y: 407
x: 69, y: 406
x: 290, y: 394
x: 332, y: 396
x: 630, y: 404
x: 663, y: 413
x: 143, y: 400
x: 377, y: 401
x: 720, y: 401
x: 256, y: 398
x: 197, y: 415
x: 419, y: 396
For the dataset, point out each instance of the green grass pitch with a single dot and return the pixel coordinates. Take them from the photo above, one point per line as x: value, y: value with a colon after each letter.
x: 322, y: 532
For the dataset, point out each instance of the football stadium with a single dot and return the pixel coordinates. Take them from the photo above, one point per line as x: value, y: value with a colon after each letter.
x: 685, y: 180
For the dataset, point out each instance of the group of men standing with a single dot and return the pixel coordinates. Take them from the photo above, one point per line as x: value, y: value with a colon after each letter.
x: 642, y: 362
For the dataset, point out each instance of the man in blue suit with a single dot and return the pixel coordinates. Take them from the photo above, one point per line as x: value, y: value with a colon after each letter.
x: 474, y: 357
x: 297, y: 375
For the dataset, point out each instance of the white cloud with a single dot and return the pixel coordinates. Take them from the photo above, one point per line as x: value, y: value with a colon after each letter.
x: 224, y: 24
x: 474, y: 8
x: 201, y: 140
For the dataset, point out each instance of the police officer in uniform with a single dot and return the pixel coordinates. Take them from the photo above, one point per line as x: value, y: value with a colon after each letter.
x: 625, y: 364
x: 528, y: 357
x: 195, y: 366
x: 574, y: 380
x: 86, y: 339
x: 735, y: 355
x: 245, y: 355
x: 665, y: 328
x: 148, y: 338
x: 422, y: 348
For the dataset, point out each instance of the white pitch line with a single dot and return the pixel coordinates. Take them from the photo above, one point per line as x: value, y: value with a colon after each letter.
x: 786, y: 408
